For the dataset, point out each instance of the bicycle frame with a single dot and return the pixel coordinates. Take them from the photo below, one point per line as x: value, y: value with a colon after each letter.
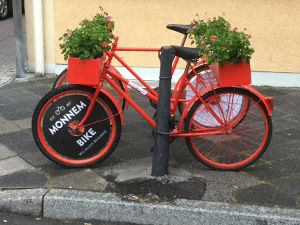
x: 151, y: 94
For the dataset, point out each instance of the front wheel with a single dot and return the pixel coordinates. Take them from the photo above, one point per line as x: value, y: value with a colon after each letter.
x: 55, y: 130
x: 61, y: 80
x: 244, y: 136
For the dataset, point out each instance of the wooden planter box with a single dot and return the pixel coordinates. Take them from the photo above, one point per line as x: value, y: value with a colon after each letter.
x: 232, y: 74
x: 85, y: 72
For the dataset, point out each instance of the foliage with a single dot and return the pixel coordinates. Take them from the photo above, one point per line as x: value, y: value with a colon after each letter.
x: 89, y: 39
x: 219, y: 42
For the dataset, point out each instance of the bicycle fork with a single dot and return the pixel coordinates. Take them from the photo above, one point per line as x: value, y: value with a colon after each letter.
x: 77, y: 127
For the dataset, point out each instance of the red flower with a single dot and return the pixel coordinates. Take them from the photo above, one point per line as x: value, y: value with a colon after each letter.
x: 109, y: 25
x: 108, y: 17
x: 212, y: 37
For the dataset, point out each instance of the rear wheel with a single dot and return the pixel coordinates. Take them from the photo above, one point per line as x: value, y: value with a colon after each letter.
x: 55, y: 130
x: 61, y: 79
x: 203, y: 78
x: 244, y: 138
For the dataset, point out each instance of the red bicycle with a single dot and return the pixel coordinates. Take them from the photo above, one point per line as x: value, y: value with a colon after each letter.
x: 226, y: 128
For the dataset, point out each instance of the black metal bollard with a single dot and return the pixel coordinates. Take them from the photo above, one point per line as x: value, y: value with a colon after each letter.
x: 160, y: 160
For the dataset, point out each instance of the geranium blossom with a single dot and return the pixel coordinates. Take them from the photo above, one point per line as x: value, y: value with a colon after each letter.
x: 212, y: 37
x: 108, y: 17
x: 220, y: 42
x: 89, y: 38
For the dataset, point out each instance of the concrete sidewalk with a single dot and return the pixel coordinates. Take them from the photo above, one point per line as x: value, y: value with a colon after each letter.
x: 121, y: 188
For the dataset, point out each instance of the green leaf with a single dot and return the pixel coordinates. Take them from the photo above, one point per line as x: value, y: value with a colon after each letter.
x: 84, y: 41
x: 231, y: 46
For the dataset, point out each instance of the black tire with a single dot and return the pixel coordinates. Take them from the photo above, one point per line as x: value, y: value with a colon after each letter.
x: 5, y: 9
x: 61, y: 79
x: 87, y: 145
x: 241, y: 143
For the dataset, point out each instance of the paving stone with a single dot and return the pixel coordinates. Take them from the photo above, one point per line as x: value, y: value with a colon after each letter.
x: 24, y: 123
x: 8, y: 127
x: 5, y: 152
x: 34, y: 156
x: 271, y: 169
x: 15, y: 94
x: 12, y: 165
x: 274, y: 92
x: 13, y: 113
x: 4, y: 100
x: 37, y: 87
x: 55, y: 170
x: 288, y: 184
x: 20, y: 141
x: 265, y: 194
x: 24, y: 179
x: 82, y: 180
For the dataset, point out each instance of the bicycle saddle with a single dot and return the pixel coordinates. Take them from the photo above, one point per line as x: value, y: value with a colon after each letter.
x: 186, y: 53
x: 180, y: 28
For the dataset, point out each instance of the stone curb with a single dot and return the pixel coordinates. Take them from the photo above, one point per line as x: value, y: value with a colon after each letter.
x: 23, y: 201
x: 71, y: 204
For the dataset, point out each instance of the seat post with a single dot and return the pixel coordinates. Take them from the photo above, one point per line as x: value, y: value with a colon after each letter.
x: 188, y: 63
x: 183, y: 40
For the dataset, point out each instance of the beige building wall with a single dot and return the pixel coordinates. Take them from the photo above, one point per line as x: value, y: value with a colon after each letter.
x: 48, y: 32
x: 274, y: 25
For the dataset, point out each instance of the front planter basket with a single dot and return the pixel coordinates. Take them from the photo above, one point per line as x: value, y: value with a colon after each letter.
x: 85, y: 72
x: 235, y: 74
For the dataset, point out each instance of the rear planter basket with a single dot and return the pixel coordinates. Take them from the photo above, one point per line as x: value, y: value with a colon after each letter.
x: 85, y: 72
x: 235, y: 74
